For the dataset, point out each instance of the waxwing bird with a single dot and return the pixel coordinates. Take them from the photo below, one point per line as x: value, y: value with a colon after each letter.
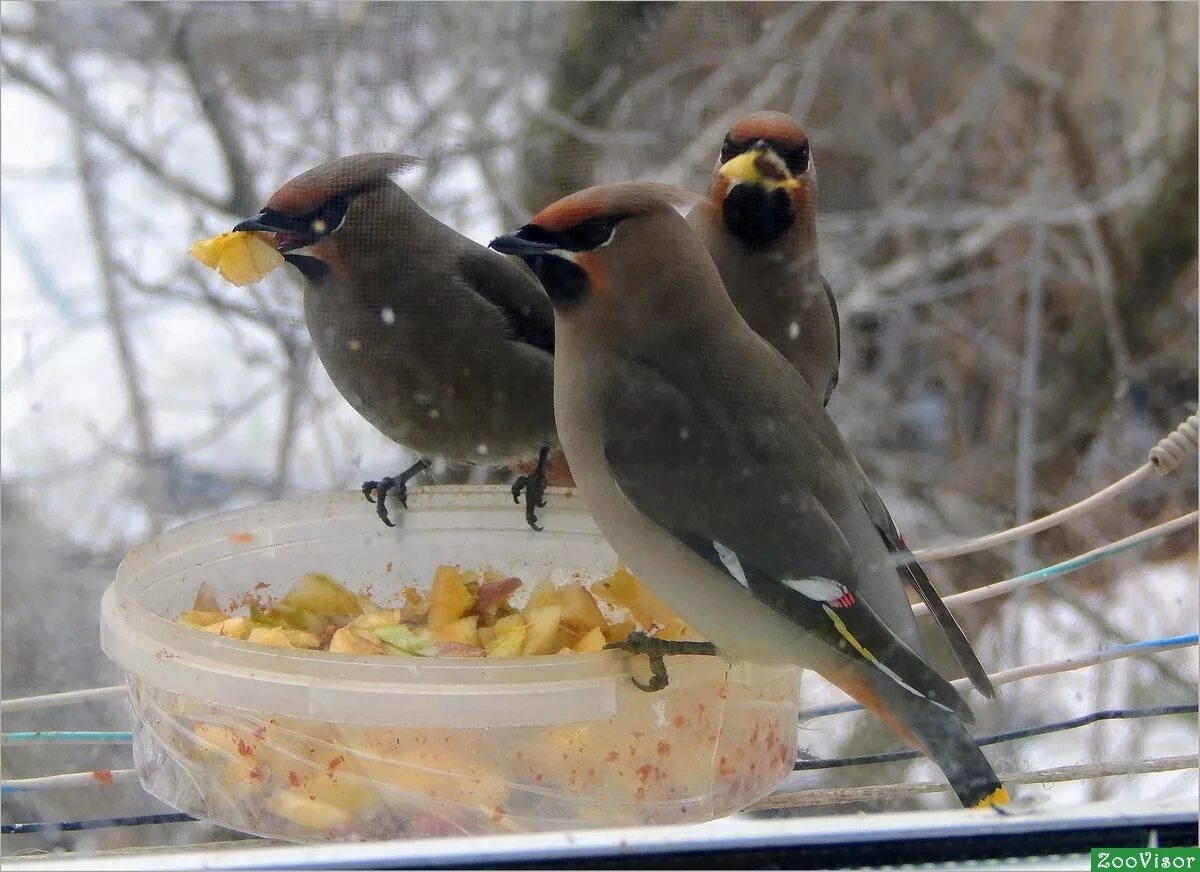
x: 759, y: 225
x: 715, y: 473
x: 445, y: 347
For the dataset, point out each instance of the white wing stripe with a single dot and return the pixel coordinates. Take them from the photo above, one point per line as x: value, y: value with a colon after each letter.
x: 732, y: 564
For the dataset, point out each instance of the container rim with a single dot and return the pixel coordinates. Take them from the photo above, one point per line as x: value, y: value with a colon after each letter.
x: 160, y: 652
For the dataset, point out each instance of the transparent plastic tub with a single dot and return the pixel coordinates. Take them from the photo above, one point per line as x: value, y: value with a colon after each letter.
x: 307, y: 745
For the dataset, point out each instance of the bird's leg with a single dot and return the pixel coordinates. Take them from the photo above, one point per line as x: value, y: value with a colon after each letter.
x: 535, y: 489
x: 397, y: 485
x: 656, y: 649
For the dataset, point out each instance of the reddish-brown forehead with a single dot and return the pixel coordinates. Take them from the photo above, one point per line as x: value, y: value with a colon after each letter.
x: 774, y: 126
x: 294, y: 199
x: 566, y: 213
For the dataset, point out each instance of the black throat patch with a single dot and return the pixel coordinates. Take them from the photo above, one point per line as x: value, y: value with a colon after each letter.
x: 757, y: 216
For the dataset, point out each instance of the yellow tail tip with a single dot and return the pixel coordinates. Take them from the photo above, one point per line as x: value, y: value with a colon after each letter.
x: 997, y: 797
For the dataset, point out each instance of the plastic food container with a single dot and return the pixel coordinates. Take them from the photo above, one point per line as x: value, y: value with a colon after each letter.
x: 305, y: 745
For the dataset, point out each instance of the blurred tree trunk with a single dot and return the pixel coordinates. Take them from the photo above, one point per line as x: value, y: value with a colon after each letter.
x: 589, y: 80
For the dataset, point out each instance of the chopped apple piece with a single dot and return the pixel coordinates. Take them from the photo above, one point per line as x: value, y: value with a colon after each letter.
x: 464, y: 630
x: 206, y: 599
x: 508, y: 643
x: 580, y: 612
x: 458, y: 649
x: 592, y: 642
x: 202, y: 618
x: 405, y: 640
x: 301, y: 639
x: 678, y: 631
x: 545, y: 594
x: 317, y: 592
x: 619, y: 632
x: 234, y: 628
x: 308, y: 812
x: 241, y: 257
x: 543, y: 626
x: 416, y: 606
x: 493, y: 594
x: 449, y: 598
x: 346, y: 641
x: 623, y: 590
x: 486, y: 635
x: 273, y: 636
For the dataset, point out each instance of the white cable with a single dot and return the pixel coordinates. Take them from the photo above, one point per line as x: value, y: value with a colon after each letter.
x: 70, y: 697
x: 1080, y: 661
x: 868, y: 793
x: 106, y: 777
x: 1165, y: 457
x: 1000, y: 588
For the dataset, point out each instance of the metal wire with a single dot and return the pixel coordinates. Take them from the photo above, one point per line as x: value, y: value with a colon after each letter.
x: 996, y: 738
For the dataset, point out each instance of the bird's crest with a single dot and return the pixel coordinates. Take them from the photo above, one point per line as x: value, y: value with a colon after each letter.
x: 345, y: 175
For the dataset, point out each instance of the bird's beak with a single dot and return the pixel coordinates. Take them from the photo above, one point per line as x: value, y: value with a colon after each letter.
x: 516, y: 245
x: 759, y: 166
x: 258, y: 222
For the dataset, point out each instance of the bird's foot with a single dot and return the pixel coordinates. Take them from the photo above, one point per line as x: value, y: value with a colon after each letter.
x: 534, y: 486
x: 394, y: 485
x: 655, y: 650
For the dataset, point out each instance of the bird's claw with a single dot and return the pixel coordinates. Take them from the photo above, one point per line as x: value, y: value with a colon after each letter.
x: 655, y: 651
x: 534, y: 487
x: 392, y: 485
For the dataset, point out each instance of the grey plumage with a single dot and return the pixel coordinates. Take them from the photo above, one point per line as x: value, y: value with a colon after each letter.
x: 759, y: 226
x: 444, y: 346
x: 712, y: 468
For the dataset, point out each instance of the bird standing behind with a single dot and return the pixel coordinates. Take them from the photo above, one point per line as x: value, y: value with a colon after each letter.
x: 714, y: 472
x: 443, y: 346
x: 760, y: 227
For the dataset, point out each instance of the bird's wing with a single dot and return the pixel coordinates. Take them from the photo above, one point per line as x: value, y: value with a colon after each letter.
x: 837, y: 335
x: 519, y: 297
x: 729, y: 492
x: 914, y: 574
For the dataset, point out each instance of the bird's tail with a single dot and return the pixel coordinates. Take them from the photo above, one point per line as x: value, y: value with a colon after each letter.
x: 937, y: 732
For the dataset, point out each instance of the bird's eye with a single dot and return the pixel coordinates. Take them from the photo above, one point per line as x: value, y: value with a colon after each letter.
x: 731, y: 149
x: 593, y: 233
x: 797, y: 159
x: 329, y: 215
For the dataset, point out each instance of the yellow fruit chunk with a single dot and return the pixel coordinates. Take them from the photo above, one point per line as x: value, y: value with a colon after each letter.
x: 301, y: 639
x: 241, y: 257
x: 619, y: 632
x: 592, y: 642
x: 273, y: 636
x: 678, y: 631
x: 623, y: 590
x: 449, y: 599
x: 542, y: 629
x: 202, y: 618
x: 312, y: 813
x: 580, y: 612
x: 317, y: 592
x: 234, y: 628
x: 346, y: 641
x: 510, y: 637
x: 545, y: 594
x: 463, y: 630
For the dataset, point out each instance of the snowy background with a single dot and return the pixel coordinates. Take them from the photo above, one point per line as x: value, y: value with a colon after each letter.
x: 1008, y: 220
